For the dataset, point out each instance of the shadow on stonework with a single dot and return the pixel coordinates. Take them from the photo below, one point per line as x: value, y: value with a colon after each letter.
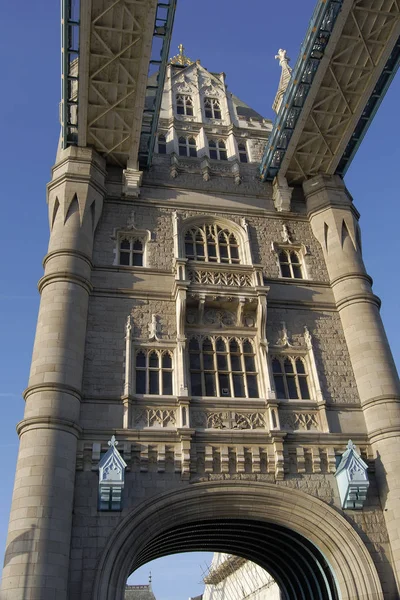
x: 23, y: 544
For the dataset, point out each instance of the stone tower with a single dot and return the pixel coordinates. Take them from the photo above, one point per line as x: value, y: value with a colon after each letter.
x: 200, y: 363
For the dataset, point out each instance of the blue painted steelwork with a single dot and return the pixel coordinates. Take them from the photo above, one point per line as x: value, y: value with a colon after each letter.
x: 164, y: 21
x: 311, y: 52
x: 69, y: 71
x: 374, y: 101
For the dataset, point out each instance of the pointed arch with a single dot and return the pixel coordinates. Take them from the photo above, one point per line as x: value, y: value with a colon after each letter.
x: 73, y: 208
x: 55, y: 211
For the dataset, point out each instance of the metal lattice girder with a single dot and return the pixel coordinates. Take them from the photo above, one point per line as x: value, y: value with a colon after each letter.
x: 359, y: 50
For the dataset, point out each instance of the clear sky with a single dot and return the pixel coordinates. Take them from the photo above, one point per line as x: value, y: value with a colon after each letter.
x: 239, y: 38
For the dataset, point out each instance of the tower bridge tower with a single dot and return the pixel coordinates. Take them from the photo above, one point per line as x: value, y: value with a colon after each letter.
x: 200, y: 363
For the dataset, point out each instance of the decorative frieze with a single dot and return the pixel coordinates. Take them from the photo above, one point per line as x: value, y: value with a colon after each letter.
x: 155, y: 417
x: 299, y: 421
x: 228, y: 420
x: 229, y: 278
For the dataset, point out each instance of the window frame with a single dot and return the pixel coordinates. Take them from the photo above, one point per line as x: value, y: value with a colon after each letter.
x: 132, y: 235
x: 148, y: 369
x: 213, y: 108
x: 189, y: 143
x: 300, y: 250
x: 219, y: 146
x: 215, y: 231
x: 293, y: 376
x: 243, y: 152
x: 187, y: 103
x: 220, y: 363
x: 163, y: 143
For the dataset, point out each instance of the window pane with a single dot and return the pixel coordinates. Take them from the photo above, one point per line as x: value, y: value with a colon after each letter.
x: 182, y: 151
x: 217, y: 114
x: 192, y: 151
x: 162, y: 148
x: 209, y: 379
x: 212, y: 144
x: 223, y: 250
x: 195, y: 383
x: 208, y: 113
x: 189, y: 250
x: 243, y: 157
x: 292, y: 389
x: 224, y: 385
x: 279, y: 387
x: 140, y: 360
x: 124, y: 259
x: 249, y: 363
x: 236, y: 362
x: 154, y: 382
x: 221, y: 144
x: 153, y: 360
x: 213, y: 154
x: 125, y: 245
x: 247, y: 347
x: 208, y: 362
x: 200, y: 251
x: 234, y: 346
x: 138, y: 246
x: 223, y: 155
x: 189, y: 111
x: 288, y: 365
x: 300, y: 366
x: 222, y: 362
x: 194, y: 361
x: 212, y: 251
x: 167, y: 361
x: 276, y: 366
x: 207, y: 345
x: 252, y: 386
x: 179, y: 109
x: 193, y: 344
x: 238, y: 386
x: 285, y: 271
x: 140, y: 382
x: 167, y: 382
x: 305, y: 393
x: 234, y: 253
x: 297, y: 272
x: 137, y: 259
x: 220, y: 345
x: 182, y: 140
x: 294, y: 259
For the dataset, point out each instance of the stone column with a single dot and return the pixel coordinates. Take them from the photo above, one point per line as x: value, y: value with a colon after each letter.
x: 38, y: 545
x: 333, y: 220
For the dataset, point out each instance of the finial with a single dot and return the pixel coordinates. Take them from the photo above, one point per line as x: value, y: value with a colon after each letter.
x: 181, y: 59
x: 284, y: 80
x: 351, y: 445
x: 150, y: 571
x: 283, y: 58
x: 113, y: 442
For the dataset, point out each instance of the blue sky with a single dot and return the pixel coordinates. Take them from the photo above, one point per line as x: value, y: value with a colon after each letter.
x: 238, y: 38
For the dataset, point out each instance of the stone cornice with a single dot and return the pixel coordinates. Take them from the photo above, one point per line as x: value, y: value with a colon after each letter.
x: 67, y: 252
x: 52, y: 387
x: 49, y: 423
x: 65, y: 276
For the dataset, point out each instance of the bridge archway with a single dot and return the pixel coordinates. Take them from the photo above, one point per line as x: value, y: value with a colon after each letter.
x: 312, y: 552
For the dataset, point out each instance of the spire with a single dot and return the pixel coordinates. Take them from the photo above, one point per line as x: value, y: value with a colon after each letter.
x: 181, y: 59
x: 284, y: 80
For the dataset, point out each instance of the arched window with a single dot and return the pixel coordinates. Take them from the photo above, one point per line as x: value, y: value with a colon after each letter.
x: 184, y: 105
x: 290, y: 378
x: 153, y: 372
x: 211, y: 243
x: 217, y: 149
x: 162, y: 144
x: 187, y: 146
x: 290, y: 264
x: 212, y: 108
x: 130, y: 250
x: 242, y: 153
x: 223, y: 368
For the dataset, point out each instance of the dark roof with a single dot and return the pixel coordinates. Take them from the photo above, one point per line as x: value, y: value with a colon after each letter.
x: 139, y: 592
x: 244, y: 110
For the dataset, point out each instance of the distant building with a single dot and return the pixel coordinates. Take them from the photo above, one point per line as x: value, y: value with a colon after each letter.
x: 235, y: 578
x: 139, y: 592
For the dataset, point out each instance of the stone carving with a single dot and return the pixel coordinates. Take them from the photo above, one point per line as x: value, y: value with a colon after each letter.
x: 284, y: 340
x: 299, y: 421
x: 352, y: 478
x: 286, y: 235
x: 153, y: 417
x: 216, y: 420
x: 249, y: 421
x: 111, y: 478
x: 222, y: 318
x: 154, y: 329
x: 220, y: 278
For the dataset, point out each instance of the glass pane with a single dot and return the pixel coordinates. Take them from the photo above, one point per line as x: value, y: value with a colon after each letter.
x: 193, y: 344
x: 238, y: 386
x: 208, y: 113
x: 223, y: 155
x: 192, y: 141
x: 189, y: 236
x: 137, y: 259
x: 294, y: 259
x: 217, y: 114
x: 182, y: 140
x: 189, y: 250
x: 252, y: 386
x: 212, y: 251
x: 285, y: 271
x: 234, y: 346
x: 249, y: 363
x: 220, y: 345
x: 161, y: 138
x: 276, y: 366
x: 292, y: 389
x: 162, y: 148
x: 195, y: 384
x: 224, y: 385
x: 304, y: 391
x: 140, y: 359
x: 200, y: 251
x: 153, y: 360
x: 243, y: 157
x: 283, y: 257
x: 221, y: 144
x: 241, y: 148
x: 140, y: 382
x: 300, y: 366
x: 207, y: 345
x: 154, y: 382
x: 192, y: 151
x: 209, y: 379
x: 297, y: 274
x: 223, y: 251
x: 124, y: 259
x: 167, y: 382
x: 213, y: 154
x: 125, y: 245
x: 279, y: 387
x: 194, y: 360
x: 236, y: 362
x: 137, y: 245
x: 222, y: 362
x: 247, y: 347
x: 167, y: 361
x: 288, y: 366
x: 180, y: 109
x: 234, y: 253
x: 182, y: 151
x: 208, y: 362
x: 212, y: 144
x: 189, y: 111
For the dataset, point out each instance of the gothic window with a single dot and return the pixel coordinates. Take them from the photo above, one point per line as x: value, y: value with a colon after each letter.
x: 211, y: 243
x: 162, y: 144
x: 187, y: 146
x: 217, y: 149
x: 290, y: 264
x: 130, y: 251
x: 153, y: 372
x: 212, y: 108
x: 242, y: 153
x: 184, y: 105
x: 290, y: 378
x: 222, y: 367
